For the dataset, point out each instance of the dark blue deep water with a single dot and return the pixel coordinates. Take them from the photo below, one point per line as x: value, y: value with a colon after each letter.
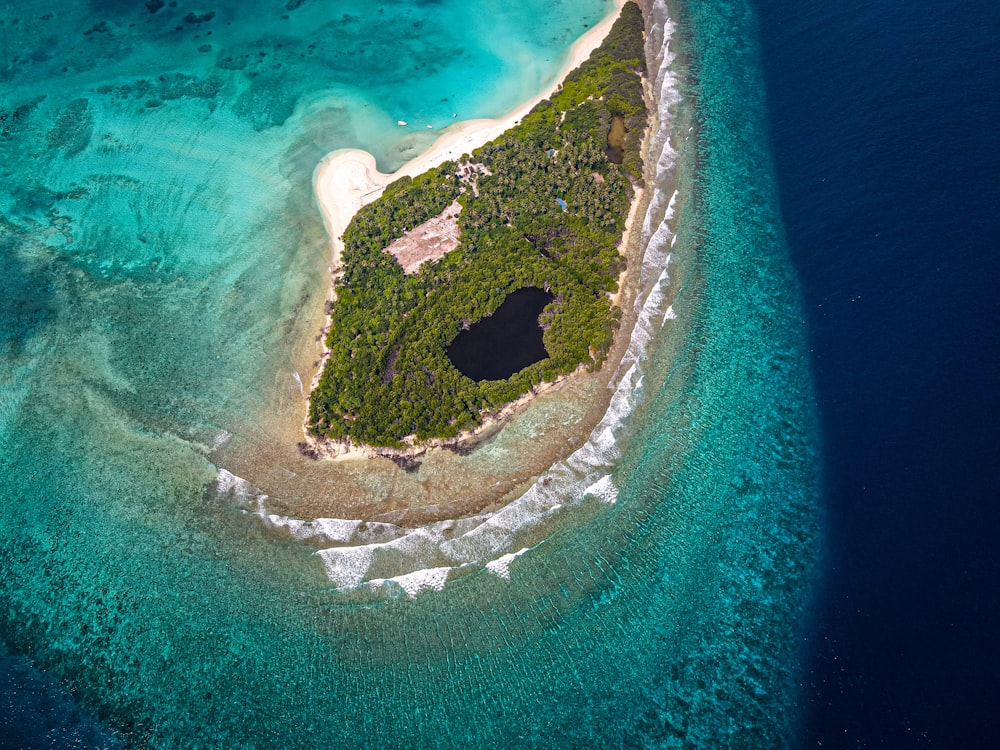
x: 509, y: 340
x: 884, y: 123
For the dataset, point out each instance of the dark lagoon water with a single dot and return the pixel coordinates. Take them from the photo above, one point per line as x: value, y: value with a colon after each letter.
x: 497, y: 346
x: 883, y: 121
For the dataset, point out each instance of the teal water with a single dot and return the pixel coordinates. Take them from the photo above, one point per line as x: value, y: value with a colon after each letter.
x: 161, y: 258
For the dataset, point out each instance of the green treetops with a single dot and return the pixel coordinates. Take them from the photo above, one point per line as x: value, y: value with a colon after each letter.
x: 544, y: 205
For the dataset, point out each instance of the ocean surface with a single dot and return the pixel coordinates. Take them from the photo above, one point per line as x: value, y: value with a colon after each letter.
x: 164, y: 269
x: 883, y: 121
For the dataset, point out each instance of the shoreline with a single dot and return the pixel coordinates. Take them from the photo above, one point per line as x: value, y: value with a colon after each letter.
x: 463, y: 442
x: 348, y: 179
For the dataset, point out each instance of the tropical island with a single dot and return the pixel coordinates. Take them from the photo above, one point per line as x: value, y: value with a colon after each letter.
x: 465, y: 287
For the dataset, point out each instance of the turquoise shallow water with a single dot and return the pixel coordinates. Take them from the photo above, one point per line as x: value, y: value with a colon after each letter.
x: 160, y: 251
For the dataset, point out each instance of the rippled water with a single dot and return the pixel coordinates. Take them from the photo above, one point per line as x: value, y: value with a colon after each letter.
x: 164, y: 274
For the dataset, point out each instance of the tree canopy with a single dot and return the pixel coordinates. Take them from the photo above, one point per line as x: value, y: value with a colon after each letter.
x: 543, y: 205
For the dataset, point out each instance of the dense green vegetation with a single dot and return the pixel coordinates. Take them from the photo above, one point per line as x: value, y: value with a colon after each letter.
x: 549, y: 212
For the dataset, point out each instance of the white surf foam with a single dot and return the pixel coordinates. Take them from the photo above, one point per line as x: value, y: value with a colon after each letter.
x: 604, y: 488
x: 501, y: 566
x: 415, y: 583
x: 319, y: 529
x: 220, y: 439
x: 346, y: 566
x: 227, y: 482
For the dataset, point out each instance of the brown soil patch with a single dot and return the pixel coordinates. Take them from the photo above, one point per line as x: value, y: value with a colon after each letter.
x: 428, y: 241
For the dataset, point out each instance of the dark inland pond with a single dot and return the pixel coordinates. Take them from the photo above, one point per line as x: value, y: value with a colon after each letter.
x: 497, y: 346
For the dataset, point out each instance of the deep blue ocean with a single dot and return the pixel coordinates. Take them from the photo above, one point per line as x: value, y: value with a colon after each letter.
x: 883, y: 120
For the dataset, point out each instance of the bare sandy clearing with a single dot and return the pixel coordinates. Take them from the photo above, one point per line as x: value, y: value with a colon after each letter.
x: 428, y: 241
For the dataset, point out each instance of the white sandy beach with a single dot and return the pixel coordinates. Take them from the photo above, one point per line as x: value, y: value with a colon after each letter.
x: 348, y: 179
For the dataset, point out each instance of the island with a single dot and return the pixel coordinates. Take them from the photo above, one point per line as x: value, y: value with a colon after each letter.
x: 464, y: 288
